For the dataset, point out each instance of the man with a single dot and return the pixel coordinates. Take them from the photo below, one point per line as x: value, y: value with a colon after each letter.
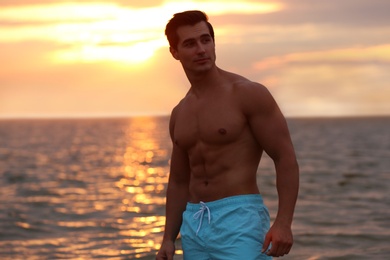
x: 219, y: 131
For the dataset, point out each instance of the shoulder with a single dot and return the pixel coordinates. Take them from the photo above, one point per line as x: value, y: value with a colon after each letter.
x: 253, y: 97
x: 249, y: 89
x: 244, y: 86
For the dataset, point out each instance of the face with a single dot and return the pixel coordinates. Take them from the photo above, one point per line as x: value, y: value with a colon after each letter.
x: 196, y: 48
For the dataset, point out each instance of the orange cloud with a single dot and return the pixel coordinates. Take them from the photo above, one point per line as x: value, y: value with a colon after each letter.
x: 105, y: 30
x: 68, y: 58
x: 350, y: 81
x: 353, y: 55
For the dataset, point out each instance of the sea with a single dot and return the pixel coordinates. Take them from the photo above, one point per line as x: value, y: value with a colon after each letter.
x: 95, y: 188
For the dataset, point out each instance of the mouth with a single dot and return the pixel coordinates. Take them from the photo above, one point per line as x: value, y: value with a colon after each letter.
x: 202, y: 60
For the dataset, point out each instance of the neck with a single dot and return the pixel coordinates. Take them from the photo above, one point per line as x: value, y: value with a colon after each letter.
x: 205, y: 80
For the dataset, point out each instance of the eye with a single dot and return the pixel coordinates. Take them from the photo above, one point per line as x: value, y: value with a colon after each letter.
x: 206, y: 39
x: 189, y: 44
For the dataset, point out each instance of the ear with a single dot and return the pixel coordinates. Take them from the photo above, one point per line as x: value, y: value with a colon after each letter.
x: 174, y: 53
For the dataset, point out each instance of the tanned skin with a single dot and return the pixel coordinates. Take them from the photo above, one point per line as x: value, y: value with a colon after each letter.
x: 219, y: 132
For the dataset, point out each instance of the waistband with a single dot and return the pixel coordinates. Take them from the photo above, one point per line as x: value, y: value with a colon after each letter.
x: 255, y: 199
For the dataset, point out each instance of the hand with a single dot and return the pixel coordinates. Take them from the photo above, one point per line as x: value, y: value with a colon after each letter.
x: 281, y: 238
x: 167, y: 250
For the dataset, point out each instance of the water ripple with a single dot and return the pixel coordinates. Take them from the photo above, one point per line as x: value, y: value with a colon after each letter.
x: 95, y: 189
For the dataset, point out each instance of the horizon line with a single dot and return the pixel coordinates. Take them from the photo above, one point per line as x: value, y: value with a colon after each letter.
x: 138, y: 115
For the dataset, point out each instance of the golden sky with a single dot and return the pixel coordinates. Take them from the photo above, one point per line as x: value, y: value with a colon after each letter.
x: 111, y: 58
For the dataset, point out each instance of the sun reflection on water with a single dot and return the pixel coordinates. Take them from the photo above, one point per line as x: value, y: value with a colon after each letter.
x: 90, y: 189
x: 145, y: 165
x: 95, y: 189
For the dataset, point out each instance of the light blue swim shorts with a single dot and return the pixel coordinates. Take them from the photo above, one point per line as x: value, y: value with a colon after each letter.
x: 232, y: 228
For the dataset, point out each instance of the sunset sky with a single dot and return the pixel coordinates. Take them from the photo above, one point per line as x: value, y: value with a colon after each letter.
x: 110, y: 58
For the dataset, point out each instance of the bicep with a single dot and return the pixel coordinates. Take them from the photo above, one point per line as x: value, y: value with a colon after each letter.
x: 272, y: 133
x: 270, y: 127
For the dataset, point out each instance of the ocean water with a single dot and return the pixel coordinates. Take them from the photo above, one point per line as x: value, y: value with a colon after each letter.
x: 95, y: 188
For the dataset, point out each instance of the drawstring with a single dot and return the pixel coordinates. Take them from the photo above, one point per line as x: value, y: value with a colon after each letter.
x: 200, y: 213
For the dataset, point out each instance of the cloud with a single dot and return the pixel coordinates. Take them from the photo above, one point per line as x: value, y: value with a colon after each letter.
x: 354, y: 55
x: 103, y: 88
x: 349, y: 13
x: 105, y: 30
x: 331, y: 82
x: 135, y: 4
x: 69, y: 11
x: 317, y: 57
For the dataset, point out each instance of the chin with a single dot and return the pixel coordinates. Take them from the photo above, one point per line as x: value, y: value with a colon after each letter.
x: 204, y: 67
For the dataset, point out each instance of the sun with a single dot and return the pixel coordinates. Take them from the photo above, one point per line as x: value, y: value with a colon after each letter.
x: 132, y: 53
x: 121, y: 35
x: 105, y: 31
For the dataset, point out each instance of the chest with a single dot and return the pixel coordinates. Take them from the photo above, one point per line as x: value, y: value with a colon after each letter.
x: 213, y: 122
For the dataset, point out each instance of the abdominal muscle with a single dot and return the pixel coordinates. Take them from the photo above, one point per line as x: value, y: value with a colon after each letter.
x: 214, y: 189
x: 223, y: 174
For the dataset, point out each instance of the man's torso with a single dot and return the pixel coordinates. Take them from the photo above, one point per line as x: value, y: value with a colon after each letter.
x: 222, y: 150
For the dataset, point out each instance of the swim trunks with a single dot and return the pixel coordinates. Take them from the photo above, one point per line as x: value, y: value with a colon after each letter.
x: 232, y: 228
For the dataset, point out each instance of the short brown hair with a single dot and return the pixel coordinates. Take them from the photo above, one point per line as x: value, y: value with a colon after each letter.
x: 182, y: 19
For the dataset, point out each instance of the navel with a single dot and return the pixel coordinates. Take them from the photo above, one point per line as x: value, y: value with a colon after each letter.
x: 206, y: 183
x: 222, y: 131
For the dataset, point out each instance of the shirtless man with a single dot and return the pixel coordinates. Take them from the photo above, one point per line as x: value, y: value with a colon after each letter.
x: 219, y: 131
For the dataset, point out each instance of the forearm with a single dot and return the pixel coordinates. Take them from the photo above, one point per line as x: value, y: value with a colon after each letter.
x: 287, y: 183
x: 177, y: 197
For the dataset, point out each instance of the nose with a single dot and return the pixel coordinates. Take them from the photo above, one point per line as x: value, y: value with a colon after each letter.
x: 200, y: 48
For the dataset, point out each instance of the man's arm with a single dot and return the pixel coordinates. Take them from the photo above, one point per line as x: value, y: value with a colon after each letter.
x: 176, y: 198
x: 271, y: 131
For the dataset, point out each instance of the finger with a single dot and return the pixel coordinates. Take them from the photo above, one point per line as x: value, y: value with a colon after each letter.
x: 273, y: 250
x: 282, y: 249
x: 287, y: 250
x: 278, y: 249
x: 266, y: 243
